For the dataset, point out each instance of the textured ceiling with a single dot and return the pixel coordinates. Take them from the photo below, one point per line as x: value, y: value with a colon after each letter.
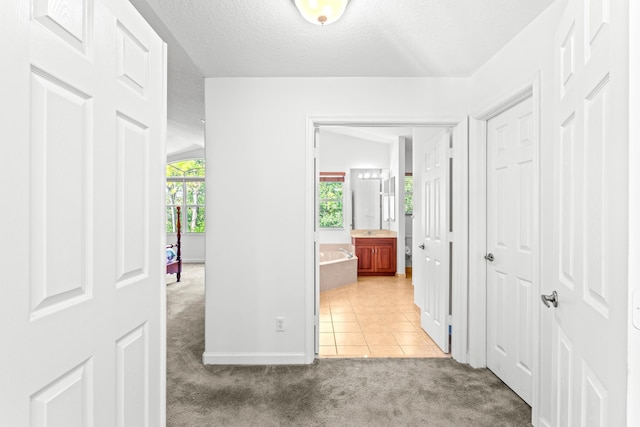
x: 249, y: 38
x: 185, y: 89
x: 378, y: 38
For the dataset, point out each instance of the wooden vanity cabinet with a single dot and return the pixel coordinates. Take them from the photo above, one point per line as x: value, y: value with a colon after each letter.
x: 376, y: 256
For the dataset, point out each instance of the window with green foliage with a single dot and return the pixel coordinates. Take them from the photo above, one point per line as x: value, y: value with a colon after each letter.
x: 186, y: 188
x: 331, y: 201
x: 408, y: 194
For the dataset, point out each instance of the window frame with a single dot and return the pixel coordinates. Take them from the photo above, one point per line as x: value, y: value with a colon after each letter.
x: 408, y: 175
x: 332, y: 177
x: 186, y: 205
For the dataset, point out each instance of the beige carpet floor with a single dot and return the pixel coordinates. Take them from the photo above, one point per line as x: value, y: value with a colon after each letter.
x: 330, y: 392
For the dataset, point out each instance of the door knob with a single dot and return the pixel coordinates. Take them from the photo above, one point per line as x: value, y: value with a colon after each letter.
x: 553, y: 299
x: 421, y: 246
x: 489, y: 257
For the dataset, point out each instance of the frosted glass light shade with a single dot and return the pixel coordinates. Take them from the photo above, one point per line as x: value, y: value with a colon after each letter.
x: 321, y: 12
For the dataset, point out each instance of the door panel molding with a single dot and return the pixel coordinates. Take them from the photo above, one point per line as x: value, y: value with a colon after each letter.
x: 588, y: 252
x: 433, y: 257
x: 509, y: 238
x: 477, y: 351
x: 68, y: 313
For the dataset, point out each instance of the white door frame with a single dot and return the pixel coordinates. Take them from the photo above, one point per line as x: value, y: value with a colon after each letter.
x: 312, y: 289
x: 633, y: 380
x: 478, y: 225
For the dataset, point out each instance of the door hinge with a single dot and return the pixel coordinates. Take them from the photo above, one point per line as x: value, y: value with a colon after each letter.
x: 316, y: 153
x: 450, y: 153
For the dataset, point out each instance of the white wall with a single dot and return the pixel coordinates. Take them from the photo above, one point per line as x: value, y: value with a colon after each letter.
x: 191, y: 246
x: 396, y: 169
x: 256, y: 228
x: 341, y: 153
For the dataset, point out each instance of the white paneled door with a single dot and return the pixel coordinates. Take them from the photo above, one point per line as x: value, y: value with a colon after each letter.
x: 587, y: 258
x: 431, y: 243
x: 511, y: 247
x: 83, y: 116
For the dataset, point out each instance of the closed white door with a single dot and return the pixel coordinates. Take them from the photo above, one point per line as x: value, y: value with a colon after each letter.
x: 431, y: 160
x: 83, y: 107
x: 511, y: 248
x: 587, y: 257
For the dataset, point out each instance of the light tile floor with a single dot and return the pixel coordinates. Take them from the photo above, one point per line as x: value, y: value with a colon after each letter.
x: 374, y: 317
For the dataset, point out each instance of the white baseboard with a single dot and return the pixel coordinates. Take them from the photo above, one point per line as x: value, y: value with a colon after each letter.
x: 192, y: 261
x: 212, y: 358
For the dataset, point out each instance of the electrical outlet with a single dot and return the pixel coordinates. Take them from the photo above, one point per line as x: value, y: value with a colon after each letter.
x: 280, y: 324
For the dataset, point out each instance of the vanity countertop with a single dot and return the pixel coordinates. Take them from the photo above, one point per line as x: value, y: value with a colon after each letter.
x: 373, y: 234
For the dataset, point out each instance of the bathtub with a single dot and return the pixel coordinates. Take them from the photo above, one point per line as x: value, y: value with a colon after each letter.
x: 336, y: 268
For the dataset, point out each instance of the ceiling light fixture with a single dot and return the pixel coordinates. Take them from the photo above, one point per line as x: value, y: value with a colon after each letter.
x: 321, y: 12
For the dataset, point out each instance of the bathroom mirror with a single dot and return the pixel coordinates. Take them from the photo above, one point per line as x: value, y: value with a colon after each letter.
x: 366, y: 198
x: 385, y: 200
x: 388, y: 200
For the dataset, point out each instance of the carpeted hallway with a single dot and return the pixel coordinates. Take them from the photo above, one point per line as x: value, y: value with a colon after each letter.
x: 331, y: 392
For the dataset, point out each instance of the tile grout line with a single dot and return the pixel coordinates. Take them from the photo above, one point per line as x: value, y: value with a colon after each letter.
x: 348, y: 299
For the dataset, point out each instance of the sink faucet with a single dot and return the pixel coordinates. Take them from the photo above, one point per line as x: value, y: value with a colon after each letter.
x: 349, y: 254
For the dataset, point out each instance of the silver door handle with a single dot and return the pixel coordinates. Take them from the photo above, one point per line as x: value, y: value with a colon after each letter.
x: 553, y: 299
x: 421, y: 246
x: 489, y: 257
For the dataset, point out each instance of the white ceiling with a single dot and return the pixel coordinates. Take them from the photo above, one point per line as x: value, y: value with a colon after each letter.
x: 381, y: 38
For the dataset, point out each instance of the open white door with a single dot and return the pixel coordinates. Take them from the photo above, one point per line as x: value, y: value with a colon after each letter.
x: 586, y: 268
x: 83, y: 107
x: 431, y: 181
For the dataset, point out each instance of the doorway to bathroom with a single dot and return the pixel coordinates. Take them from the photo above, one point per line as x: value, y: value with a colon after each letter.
x: 367, y: 304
